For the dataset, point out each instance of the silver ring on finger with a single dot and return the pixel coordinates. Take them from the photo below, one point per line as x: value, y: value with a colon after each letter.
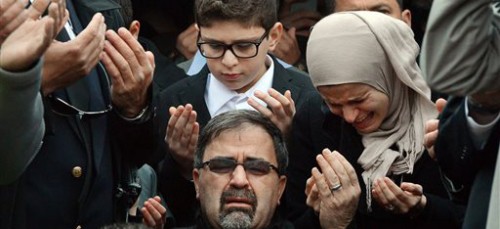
x: 336, y: 187
x: 389, y: 207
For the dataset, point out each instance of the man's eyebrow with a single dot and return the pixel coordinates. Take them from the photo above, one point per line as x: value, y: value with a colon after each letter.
x: 222, y: 157
x: 254, y: 159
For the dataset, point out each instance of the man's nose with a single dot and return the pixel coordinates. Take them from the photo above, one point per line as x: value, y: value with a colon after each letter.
x: 350, y: 113
x: 239, y: 177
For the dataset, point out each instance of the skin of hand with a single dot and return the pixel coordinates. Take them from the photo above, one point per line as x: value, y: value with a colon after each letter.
x: 67, y: 62
x: 312, y: 194
x: 336, y: 208
x: 280, y: 108
x: 12, y: 15
x: 26, y: 44
x: 131, y: 70
x: 154, y: 213
x: 288, y: 48
x: 182, y: 136
x: 186, y: 42
x: 302, y: 20
x: 30, y: 40
x: 408, y: 198
x: 431, y: 130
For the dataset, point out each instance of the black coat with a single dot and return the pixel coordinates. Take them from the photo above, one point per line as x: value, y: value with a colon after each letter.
x: 314, y: 129
x: 72, y: 180
x: 469, y: 169
x: 178, y: 192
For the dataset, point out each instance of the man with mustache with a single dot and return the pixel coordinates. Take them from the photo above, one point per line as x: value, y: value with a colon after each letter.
x: 246, y: 196
x: 239, y: 175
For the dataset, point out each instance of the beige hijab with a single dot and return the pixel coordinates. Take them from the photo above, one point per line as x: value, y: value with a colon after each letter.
x: 375, y: 49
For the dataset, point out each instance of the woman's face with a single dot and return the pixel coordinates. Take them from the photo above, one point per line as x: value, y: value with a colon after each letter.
x: 358, y: 104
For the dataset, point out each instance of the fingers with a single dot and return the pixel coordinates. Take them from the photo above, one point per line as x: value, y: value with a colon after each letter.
x: 138, y: 57
x: 153, y: 212
x: 352, y: 177
x: 11, y: 17
x: 175, y: 113
x: 182, y: 127
x: 323, y: 187
x: 280, y: 108
x: 387, y: 193
x: 91, y: 40
x: 186, y: 42
x: 121, y: 56
x: 313, y: 199
x: 440, y: 104
x: 413, y: 189
x: 327, y: 169
x: 385, y: 196
x: 430, y: 137
x: 92, y: 37
x: 57, y: 11
x: 37, y: 8
x: 309, y: 185
x: 281, y: 105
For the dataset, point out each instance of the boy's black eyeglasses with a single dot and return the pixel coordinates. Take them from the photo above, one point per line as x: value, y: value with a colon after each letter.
x: 214, y: 50
x: 226, y: 165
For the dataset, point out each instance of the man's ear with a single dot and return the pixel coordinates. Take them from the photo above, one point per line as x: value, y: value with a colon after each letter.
x: 281, y: 187
x: 135, y: 28
x: 196, y: 180
x: 275, y: 35
x: 406, y: 17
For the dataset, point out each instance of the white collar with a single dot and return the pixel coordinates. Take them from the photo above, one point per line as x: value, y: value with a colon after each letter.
x: 217, y: 94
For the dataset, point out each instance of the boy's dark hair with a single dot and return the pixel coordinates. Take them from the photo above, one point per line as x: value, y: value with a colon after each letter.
x: 247, y: 12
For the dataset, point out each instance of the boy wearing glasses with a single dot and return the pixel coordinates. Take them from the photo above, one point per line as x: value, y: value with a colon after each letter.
x: 235, y: 37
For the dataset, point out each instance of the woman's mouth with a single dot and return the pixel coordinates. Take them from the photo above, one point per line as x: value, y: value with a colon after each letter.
x: 363, y: 122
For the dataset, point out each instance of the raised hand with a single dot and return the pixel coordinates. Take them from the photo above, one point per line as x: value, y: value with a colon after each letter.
x: 338, y: 190
x: 131, y: 69
x: 431, y: 130
x: 280, y: 108
x: 301, y: 20
x: 186, y: 42
x: 30, y: 40
x: 154, y: 213
x: 182, y: 136
x: 12, y: 15
x: 407, y: 199
x: 67, y: 62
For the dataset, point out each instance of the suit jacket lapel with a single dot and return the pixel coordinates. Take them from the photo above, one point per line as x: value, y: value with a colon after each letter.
x: 282, y: 81
x: 194, y: 94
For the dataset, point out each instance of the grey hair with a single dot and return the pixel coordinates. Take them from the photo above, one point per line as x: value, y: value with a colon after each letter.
x: 236, y: 120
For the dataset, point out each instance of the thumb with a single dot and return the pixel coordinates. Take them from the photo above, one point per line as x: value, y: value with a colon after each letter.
x: 412, y: 188
x: 440, y: 104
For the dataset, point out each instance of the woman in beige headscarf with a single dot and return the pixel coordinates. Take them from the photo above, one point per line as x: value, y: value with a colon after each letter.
x: 364, y: 67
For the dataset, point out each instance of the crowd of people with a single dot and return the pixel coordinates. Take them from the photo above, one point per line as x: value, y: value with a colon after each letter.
x: 249, y: 114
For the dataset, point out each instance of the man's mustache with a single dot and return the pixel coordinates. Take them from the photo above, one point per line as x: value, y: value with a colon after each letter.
x: 245, y: 194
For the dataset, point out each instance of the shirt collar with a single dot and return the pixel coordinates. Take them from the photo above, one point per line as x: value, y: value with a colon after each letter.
x: 217, y: 94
